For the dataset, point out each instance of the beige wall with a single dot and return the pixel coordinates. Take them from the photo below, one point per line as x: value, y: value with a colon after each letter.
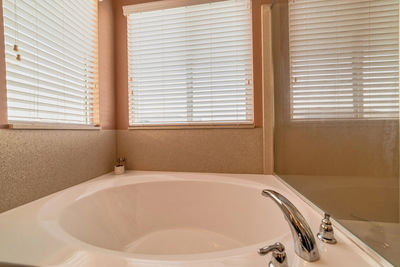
x: 349, y: 149
x: 36, y: 163
x: 351, y: 197
x: 195, y: 150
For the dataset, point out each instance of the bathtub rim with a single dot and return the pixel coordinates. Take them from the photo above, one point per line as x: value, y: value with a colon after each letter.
x: 25, y: 250
x: 95, y: 186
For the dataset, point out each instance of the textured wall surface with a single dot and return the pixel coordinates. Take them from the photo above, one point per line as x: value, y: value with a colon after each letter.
x: 351, y: 197
x: 35, y: 163
x: 195, y: 150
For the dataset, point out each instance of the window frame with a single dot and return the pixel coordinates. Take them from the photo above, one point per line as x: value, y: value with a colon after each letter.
x: 255, y: 32
x: 288, y: 111
x: 6, y: 123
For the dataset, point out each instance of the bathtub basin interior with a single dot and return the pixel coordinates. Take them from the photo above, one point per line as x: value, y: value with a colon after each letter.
x: 174, y: 218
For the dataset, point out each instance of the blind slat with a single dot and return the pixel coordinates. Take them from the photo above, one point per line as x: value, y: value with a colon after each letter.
x: 15, y: 101
x: 191, y: 64
x: 55, y: 79
x: 344, y: 59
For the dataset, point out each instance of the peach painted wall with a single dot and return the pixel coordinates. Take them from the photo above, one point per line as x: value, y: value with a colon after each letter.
x: 106, y: 65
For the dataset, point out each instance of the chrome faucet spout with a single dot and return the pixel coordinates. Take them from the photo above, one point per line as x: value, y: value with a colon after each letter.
x: 304, y: 241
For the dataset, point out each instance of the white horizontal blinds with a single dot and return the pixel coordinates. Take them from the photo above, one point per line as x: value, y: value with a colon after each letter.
x: 344, y: 59
x: 51, y: 61
x: 191, y: 64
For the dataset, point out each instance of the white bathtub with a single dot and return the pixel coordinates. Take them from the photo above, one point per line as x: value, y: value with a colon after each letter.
x: 162, y: 219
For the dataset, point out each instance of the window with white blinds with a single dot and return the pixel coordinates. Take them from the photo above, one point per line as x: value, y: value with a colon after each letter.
x: 51, y: 61
x: 190, y: 64
x: 344, y: 59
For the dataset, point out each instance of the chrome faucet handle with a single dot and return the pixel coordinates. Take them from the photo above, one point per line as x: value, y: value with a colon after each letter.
x: 325, y: 233
x: 278, y: 254
x: 303, y: 238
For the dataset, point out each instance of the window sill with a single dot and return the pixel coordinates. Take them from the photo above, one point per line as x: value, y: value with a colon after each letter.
x: 51, y: 126
x: 192, y: 126
x: 323, y: 123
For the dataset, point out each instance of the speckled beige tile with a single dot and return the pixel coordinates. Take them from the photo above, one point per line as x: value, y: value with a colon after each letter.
x: 195, y: 150
x: 36, y: 163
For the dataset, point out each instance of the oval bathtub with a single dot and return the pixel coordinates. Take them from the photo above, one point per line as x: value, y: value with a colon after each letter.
x: 167, y: 217
x: 153, y: 219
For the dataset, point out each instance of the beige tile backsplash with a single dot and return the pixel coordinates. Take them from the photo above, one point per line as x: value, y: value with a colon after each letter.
x: 35, y: 163
x: 194, y: 150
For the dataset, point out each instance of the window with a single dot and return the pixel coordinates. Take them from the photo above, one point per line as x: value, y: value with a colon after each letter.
x: 190, y: 64
x: 344, y: 59
x: 51, y: 61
